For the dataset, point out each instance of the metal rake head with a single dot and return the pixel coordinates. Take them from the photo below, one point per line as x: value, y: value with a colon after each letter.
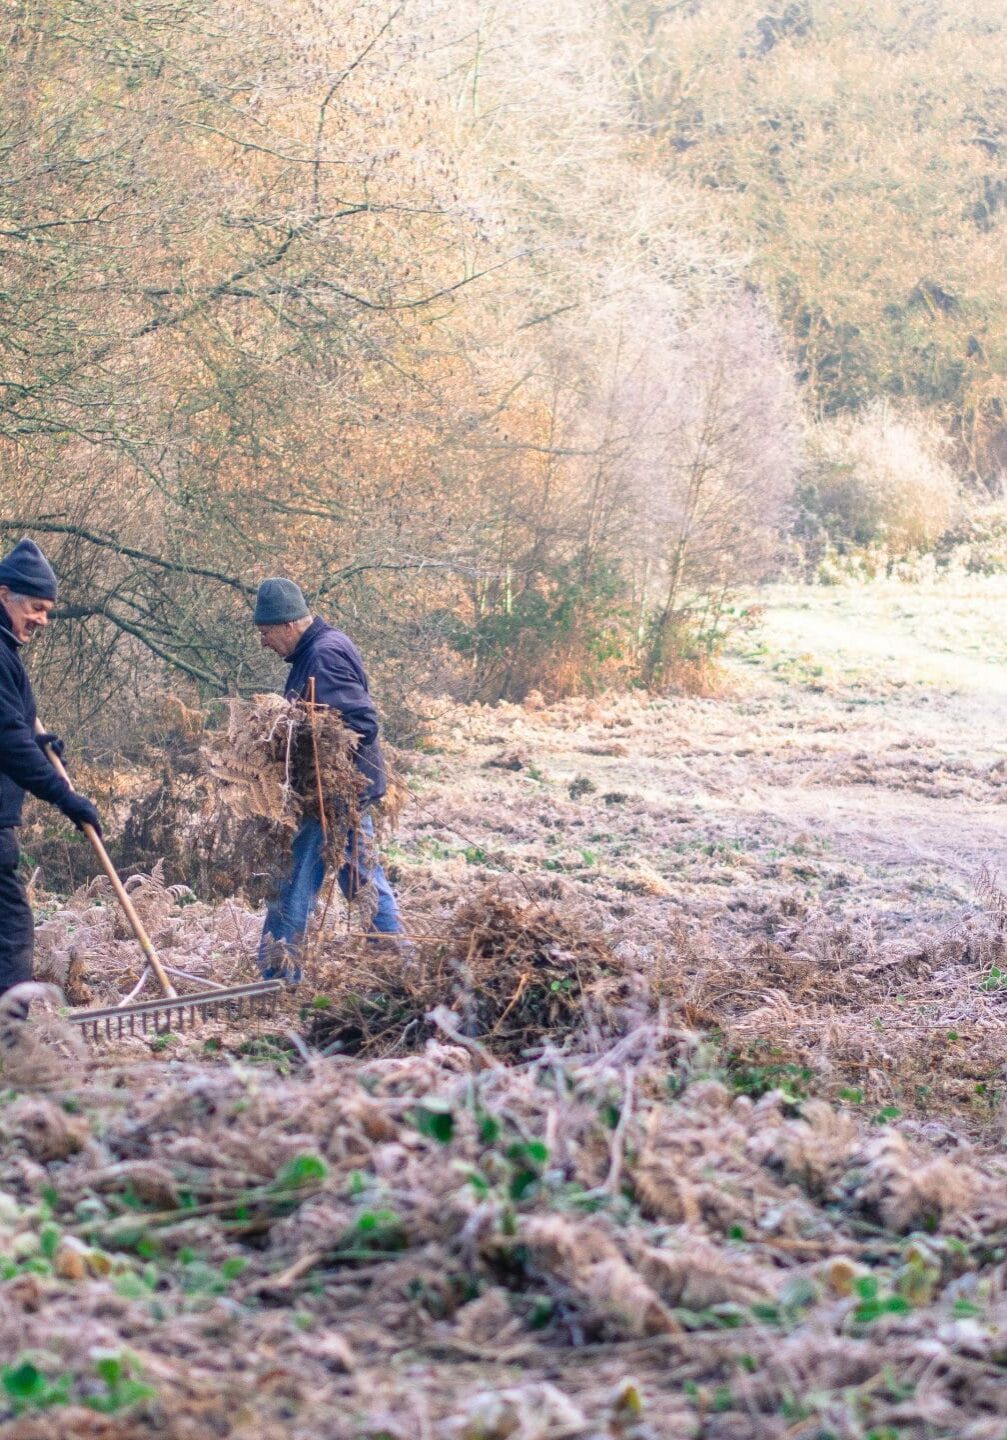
x: 183, y: 1012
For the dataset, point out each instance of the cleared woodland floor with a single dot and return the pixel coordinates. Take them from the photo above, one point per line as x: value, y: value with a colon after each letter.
x: 761, y: 1194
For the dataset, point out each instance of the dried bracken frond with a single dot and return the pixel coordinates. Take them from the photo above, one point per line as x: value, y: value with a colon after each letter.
x: 38, y: 1049
x: 177, y: 715
x: 44, y: 1130
x: 532, y: 971
x: 702, y: 1275
x: 515, y: 973
x: 991, y: 893
x: 811, y: 1151
x: 604, y: 1280
x: 388, y: 810
x: 252, y: 762
x: 889, y: 1182
x: 280, y: 761
x: 534, y: 1411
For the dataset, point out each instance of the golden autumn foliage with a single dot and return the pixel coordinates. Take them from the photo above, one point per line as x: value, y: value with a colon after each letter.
x: 478, y: 320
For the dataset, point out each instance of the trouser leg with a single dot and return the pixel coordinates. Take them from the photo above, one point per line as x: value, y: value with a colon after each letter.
x: 17, y: 928
x: 288, y: 914
x: 361, y: 868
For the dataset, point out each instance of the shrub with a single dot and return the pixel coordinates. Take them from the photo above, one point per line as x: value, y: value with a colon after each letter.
x: 558, y: 628
x: 977, y: 543
x: 880, y: 478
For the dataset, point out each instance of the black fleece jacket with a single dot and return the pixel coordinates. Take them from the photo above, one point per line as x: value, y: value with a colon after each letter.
x: 22, y: 764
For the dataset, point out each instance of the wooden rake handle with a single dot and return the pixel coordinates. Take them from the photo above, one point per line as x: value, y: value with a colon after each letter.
x: 128, y: 908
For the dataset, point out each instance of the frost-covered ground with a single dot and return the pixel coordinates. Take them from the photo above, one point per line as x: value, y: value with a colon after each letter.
x: 762, y: 1194
x: 859, y: 744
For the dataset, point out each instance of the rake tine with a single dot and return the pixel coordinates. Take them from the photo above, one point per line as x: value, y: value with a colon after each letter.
x: 165, y: 1014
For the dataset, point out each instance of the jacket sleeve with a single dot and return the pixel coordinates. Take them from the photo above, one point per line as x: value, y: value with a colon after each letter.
x: 20, y: 757
x: 338, y: 685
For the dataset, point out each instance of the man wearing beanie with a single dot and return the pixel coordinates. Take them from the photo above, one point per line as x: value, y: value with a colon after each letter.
x: 317, y: 651
x: 27, y: 594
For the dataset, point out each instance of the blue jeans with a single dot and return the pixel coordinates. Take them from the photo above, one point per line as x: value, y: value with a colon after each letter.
x: 287, y: 916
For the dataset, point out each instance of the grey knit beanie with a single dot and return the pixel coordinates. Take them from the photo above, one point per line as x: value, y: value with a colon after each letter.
x: 26, y: 571
x: 278, y: 602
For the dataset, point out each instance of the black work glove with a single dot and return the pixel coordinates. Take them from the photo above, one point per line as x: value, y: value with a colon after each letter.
x: 81, y: 811
x: 46, y: 737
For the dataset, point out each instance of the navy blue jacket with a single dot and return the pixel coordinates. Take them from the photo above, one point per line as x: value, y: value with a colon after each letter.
x: 341, y: 683
x: 22, y: 764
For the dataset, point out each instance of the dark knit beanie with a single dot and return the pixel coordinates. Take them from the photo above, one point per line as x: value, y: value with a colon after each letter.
x: 26, y: 571
x: 278, y: 602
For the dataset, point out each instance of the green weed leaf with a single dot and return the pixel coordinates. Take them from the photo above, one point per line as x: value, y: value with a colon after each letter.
x: 306, y: 1169
x: 436, y: 1120
x: 24, y: 1381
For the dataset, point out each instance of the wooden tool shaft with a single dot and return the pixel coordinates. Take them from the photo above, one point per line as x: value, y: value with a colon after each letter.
x: 128, y: 908
x: 318, y: 769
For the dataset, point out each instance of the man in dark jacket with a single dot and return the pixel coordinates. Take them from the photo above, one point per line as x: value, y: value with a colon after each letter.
x: 317, y: 651
x: 27, y: 594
